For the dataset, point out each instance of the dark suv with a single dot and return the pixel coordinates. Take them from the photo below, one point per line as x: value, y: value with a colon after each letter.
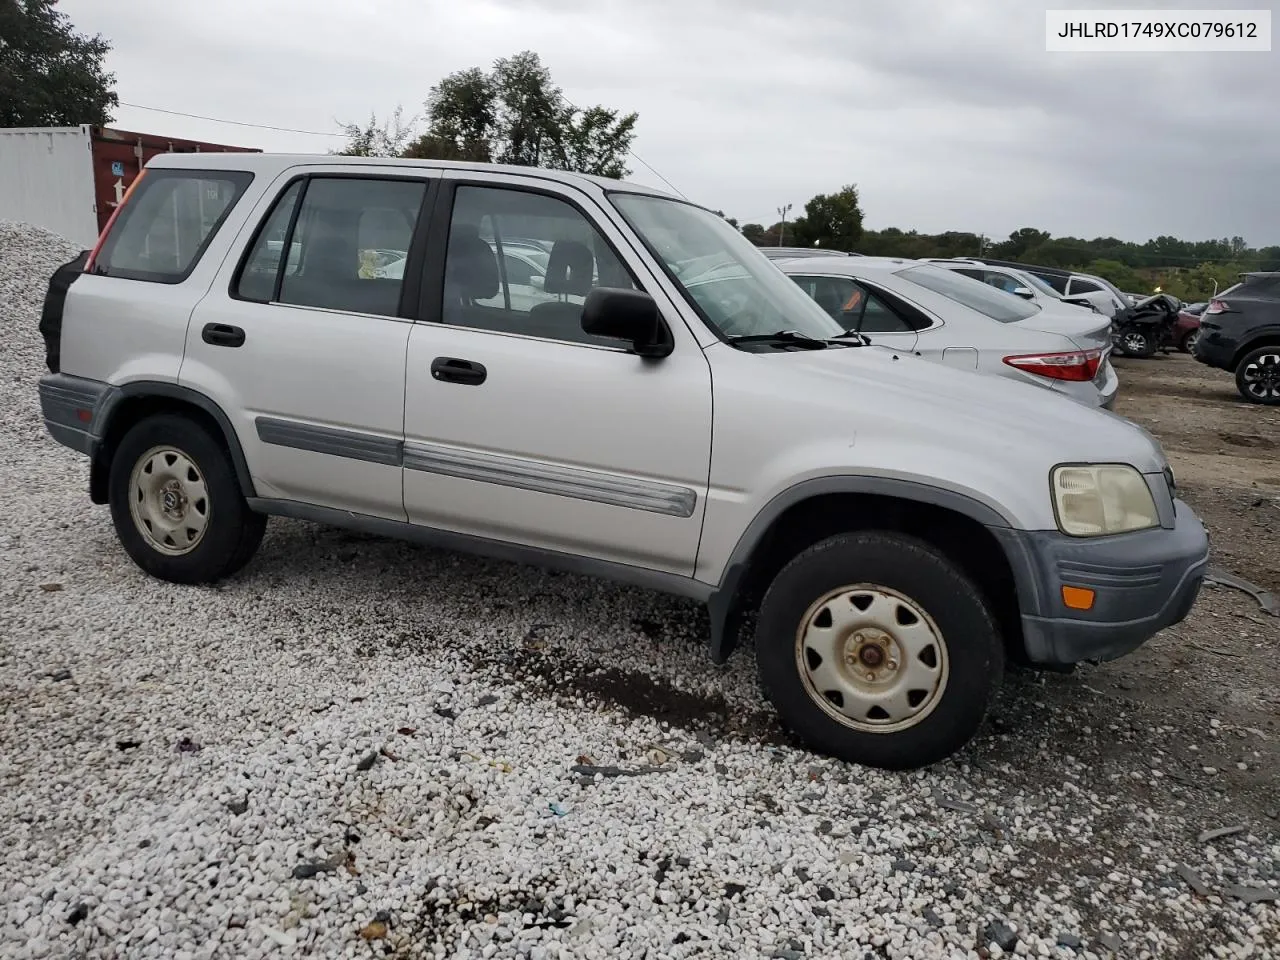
x: 1240, y: 333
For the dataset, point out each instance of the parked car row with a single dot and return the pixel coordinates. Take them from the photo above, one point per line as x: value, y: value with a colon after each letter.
x: 654, y: 402
x: 947, y: 312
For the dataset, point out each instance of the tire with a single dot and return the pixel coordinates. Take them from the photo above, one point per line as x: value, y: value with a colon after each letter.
x: 1258, y: 376
x: 176, y: 503
x: 1188, y: 344
x: 1136, y: 342
x: 897, y: 573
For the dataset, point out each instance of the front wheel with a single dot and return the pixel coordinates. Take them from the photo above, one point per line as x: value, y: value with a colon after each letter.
x: 877, y: 649
x: 1136, y: 342
x: 1258, y: 376
x: 176, y: 504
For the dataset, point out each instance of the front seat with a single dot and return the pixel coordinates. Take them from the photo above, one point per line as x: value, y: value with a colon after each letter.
x: 569, y: 270
x: 471, y: 274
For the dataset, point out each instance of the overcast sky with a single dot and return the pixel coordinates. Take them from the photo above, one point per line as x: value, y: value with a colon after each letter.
x: 947, y: 115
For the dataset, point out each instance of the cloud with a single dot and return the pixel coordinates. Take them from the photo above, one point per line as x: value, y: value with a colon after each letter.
x: 946, y: 115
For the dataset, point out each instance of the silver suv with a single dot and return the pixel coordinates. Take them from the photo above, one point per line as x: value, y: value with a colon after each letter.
x: 671, y: 411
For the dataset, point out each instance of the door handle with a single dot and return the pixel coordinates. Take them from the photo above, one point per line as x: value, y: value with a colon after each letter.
x: 222, y: 335
x: 453, y: 370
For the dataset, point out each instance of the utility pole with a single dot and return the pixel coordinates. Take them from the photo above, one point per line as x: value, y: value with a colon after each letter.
x: 982, y: 244
x: 782, y: 230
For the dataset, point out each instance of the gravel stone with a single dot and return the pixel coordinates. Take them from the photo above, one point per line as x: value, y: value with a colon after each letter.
x: 115, y: 842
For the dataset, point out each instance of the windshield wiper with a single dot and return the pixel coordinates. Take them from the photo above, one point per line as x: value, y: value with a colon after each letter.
x: 788, y: 338
x: 862, y: 338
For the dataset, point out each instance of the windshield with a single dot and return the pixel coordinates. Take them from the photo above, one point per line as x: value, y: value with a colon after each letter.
x: 974, y: 294
x: 1039, y: 284
x: 735, y: 288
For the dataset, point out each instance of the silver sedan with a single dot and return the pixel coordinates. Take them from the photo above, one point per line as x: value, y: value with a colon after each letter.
x: 938, y: 314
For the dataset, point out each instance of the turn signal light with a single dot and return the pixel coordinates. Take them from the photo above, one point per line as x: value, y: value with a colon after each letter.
x: 1077, y: 366
x: 1077, y: 598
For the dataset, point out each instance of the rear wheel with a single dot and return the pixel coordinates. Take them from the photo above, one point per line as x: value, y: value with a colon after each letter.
x: 1189, y: 339
x: 1258, y: 376
x: 876, y: 649
x: 176, y: 503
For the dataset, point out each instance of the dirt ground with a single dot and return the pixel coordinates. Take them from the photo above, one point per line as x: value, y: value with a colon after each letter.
x: 1222, y: 663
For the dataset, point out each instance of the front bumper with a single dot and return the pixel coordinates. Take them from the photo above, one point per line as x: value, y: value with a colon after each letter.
x: 1143, y: 582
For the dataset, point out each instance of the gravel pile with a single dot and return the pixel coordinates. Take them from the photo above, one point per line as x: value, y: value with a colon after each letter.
x: 359, y: 748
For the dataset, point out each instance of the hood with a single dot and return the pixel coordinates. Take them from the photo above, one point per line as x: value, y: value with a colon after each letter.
x: 1086, y: 329
x: 930, y: 403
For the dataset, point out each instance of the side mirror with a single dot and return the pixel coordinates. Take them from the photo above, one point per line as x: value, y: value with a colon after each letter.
x: 622, y: 314
x: 1024, y: 292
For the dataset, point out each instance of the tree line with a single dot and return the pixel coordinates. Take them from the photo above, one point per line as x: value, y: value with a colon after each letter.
x: 514, y: 113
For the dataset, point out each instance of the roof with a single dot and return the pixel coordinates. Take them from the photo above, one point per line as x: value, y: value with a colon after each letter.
x: 275, y: 162
x: 845, y: 266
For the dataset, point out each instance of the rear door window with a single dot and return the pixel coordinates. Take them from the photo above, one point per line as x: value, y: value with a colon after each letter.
x: 347, y: 239
x: 168, y: 222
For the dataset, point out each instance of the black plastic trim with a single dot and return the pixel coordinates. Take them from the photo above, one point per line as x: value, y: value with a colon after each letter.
x: 643, y: 577
x: 722, y: 604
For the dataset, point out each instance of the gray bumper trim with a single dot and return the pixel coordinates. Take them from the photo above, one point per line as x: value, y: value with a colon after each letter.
x: 62, y: 398
x: 1143, y: 583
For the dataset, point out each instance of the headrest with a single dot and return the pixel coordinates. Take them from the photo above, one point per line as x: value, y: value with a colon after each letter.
x: 472, y: 269
x: 569, y: 268
x: 331, y: 256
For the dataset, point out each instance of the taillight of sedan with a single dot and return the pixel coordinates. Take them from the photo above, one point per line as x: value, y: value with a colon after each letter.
x: 1076, y: 366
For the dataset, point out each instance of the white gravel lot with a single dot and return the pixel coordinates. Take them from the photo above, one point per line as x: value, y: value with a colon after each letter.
x: 359, y: 748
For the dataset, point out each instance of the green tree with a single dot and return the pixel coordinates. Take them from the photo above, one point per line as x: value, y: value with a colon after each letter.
x: 754, y: 232
x: 51, y: 76
x: 374, y: 139
x: 1019, y: 242
x: 1122, y: 275
x: 515, y: 114
x: 832, y: 221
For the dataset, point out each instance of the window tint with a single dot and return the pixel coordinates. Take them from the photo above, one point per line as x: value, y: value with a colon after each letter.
x: 168, y: 222
x: 1002, y: 281
x: 1053, y: 282
x: 538, y: 292
x: 349, y: 244
x: 1084, y: 286
x: 852, y: 305
x: 258, y: 275
x: 976, y: 296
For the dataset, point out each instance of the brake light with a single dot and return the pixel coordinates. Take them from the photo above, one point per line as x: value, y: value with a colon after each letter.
x: 1217, y: 306
x: 1077, y: 366
x: 93, y: 256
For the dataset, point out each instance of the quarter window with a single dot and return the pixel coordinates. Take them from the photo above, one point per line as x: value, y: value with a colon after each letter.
x: 535, y: 293
x: 168, y: 222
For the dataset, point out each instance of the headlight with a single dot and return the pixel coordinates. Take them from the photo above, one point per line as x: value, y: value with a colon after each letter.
x: 1091, y: 501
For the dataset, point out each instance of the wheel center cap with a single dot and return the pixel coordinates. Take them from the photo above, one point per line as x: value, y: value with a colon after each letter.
x: 871, y: 656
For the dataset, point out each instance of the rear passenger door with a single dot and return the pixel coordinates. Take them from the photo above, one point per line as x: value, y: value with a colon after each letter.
x: 305, y: 346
